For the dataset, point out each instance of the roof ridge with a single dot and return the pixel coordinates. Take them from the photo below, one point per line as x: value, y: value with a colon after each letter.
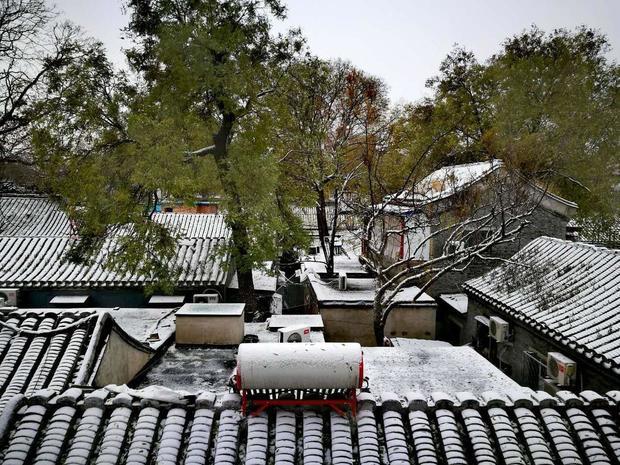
x: 580, y: 244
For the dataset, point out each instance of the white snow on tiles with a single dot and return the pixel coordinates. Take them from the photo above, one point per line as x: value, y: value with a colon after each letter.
x: 81, y: 427
x: 35, y: 236
x: 567, y: 289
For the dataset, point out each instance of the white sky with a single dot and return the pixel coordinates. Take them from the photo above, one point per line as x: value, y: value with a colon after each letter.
x: 401, y: 41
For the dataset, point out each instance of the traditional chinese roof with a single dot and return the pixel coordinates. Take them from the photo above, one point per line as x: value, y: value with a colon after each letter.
x: 57, y: 349
x: 447, y: 181
x: 566, y: 290
x: 164, y: 427
x: 35, y: 235
x: 308, y: 217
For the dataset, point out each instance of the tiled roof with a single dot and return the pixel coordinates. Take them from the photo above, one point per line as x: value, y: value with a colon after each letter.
x: 167, y: 428
x: 52, y: 349
x: 308, y: 217
x: 445, y: 182
x: 29, y: 362
x: 35, y: 236
x: 566, y: 290
x: 449, y: 180
x: 32, y: 215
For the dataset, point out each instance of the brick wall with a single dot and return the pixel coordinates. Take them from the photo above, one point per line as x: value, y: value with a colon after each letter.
x: 542, y: 223
x: 589, y: 374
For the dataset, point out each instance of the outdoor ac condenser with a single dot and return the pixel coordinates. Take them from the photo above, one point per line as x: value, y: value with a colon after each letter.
x: 296, y: 333
x: 207, y: 298
x: 498, y: 329
x: 8, y: 297
x: 560, y: 368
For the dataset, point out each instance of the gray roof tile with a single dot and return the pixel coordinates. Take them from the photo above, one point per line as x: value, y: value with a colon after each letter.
x: 135, y: 430
x: 566, y: 290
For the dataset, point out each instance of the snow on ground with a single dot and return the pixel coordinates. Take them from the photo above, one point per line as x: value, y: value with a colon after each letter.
x: 429, y: 368
x: 140, y: 323
x: 346, y: 262
x: 192, y: 369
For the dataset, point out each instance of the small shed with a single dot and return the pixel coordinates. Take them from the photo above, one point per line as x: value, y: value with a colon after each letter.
x: 210, y: 324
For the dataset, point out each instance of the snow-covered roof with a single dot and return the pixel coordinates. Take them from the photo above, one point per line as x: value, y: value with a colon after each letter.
x: 457, y: 301
x: 450, y: 180
x: 447, y: 181
x: 35, y: 235
x: 568, y: 291
x: 360, y: 292
x: 428, y: 366
x: 161, y: 426
x: 54, y: 349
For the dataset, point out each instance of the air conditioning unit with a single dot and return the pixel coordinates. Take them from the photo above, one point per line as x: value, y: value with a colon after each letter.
x: 207, y: 298
x: 8, y: 297
x: 297, y: 333
x: 342, y: 281
x: 560, y: 368
x: 498, y: 329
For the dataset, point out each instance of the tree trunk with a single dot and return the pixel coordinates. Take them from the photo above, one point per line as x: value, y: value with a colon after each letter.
x: 323, y: 231
x: 378, y: 320
x: 240, y: 237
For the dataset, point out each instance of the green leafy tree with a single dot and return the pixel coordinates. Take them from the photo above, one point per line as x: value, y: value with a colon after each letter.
x: 197, y: 121
x: 331, y: 116
x: 33, y: 44
x: 546, y: 104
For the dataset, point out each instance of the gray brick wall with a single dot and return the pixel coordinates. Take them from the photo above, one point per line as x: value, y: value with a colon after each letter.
x: 542, y: 223
x: 525, y: 338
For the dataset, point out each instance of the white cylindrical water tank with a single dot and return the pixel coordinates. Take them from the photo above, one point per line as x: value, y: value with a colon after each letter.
x: 300, y: 366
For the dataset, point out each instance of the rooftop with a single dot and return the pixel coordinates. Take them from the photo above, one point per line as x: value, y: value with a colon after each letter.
x: 444, y: 182
x: 566, y: 290
x: 430, y: 366
x: 55, y: 349
x: 35, y: 223
x: 457, y: 301
x: 162, y: 426
x: 220, y: 309
x: 360, y: 292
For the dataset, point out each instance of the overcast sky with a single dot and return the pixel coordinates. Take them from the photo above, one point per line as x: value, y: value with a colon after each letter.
x: 401, y: 41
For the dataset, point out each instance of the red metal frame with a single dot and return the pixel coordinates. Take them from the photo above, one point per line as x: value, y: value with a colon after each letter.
x: 335, y: 404
x: 401, y: 250
x: 263, y: 404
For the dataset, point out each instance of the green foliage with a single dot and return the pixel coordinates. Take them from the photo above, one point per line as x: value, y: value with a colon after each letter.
x: 111, y: 150
x: 546, y: 104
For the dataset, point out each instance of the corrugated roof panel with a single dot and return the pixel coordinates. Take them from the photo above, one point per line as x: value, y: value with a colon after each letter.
x: 571, y: 289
